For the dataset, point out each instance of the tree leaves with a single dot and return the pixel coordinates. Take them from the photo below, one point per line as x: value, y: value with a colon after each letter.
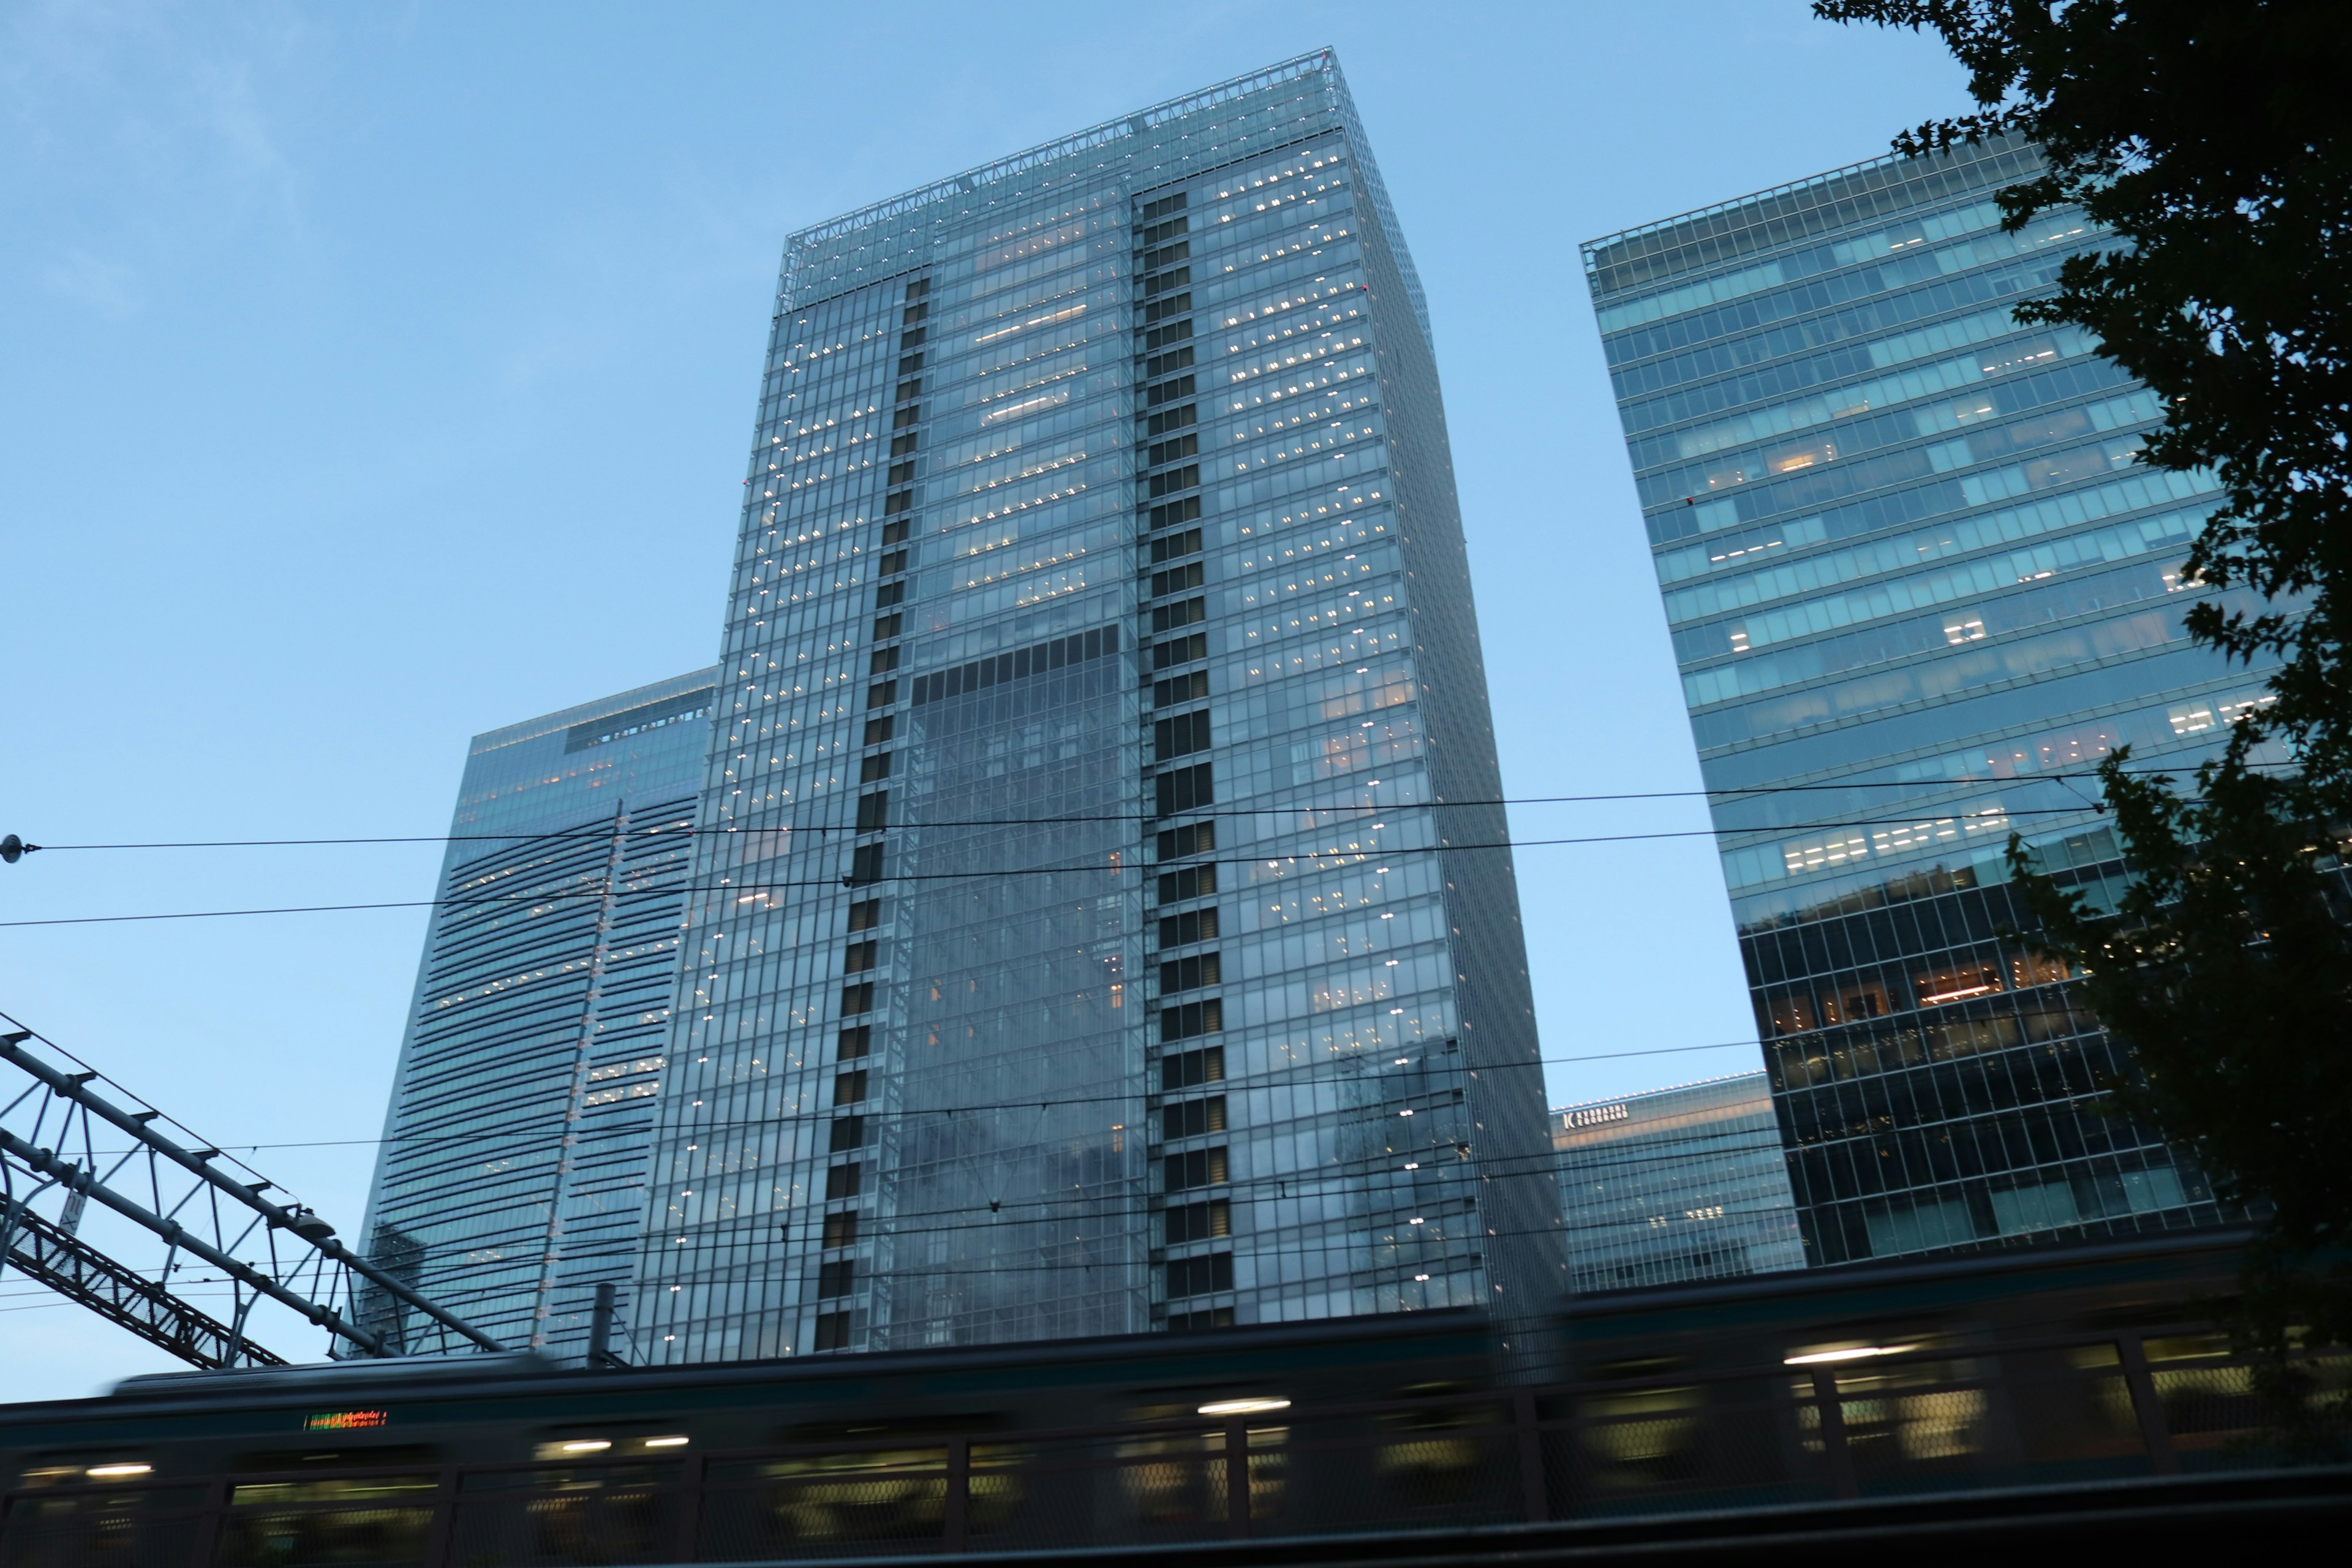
x: 2213, y: 141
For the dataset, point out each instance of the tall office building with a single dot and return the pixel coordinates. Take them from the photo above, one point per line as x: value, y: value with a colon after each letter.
x: 511, y: 1180
x: 1918, y: 587
x: 1676, y: 1185
x: 1081, y: 947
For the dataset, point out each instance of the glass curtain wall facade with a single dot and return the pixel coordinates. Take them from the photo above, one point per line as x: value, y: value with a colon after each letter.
x: 1086, y: 952
x: 1918, y: 587
x: 511, y: 1180
x: 1675, y: 1184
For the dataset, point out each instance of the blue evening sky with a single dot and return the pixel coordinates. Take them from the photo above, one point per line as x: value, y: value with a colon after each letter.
x: 375, y: 375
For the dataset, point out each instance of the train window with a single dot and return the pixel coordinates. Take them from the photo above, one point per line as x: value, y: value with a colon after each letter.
x: 329, y: 1517
x: 1640, y: 1366
x: 50, y: 1475
x: 358, y: 1456
x: 608, y: 1443
x: 68, y: 1469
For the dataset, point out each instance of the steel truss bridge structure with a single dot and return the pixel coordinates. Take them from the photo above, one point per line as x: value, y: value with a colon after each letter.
x: 121, y: 1209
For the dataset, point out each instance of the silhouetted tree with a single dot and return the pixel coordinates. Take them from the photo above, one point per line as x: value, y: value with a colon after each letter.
x: 2214, y: 142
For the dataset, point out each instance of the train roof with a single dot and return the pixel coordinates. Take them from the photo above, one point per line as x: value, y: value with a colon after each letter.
x: 1136, y: 1357
x: 1908, y: 1285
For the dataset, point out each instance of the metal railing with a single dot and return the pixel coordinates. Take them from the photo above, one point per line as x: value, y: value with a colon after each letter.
x: 2065, y: 1410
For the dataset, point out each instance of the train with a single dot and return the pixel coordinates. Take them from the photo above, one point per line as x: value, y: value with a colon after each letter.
x: 2047, y: 1366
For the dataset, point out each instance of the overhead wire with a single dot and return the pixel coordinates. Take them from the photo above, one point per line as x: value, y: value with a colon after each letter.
x: 600, y: 833
x: 1247, y: 1082
x: 600, y: 889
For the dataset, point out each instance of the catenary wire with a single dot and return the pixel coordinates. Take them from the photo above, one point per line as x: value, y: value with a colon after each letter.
x: 598, y: 890
x: 601, y: 833
x: 1227, y: 1085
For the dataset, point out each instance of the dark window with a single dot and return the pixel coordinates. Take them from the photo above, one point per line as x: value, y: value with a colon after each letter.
x: 859, y: 958
x: 1173, y: 332
x: 841, y: 1229
x: 897, y: 501
x: 1153, y: 233
x: 856, y: 999
x: 865, y: 865
x: 850, y: 1087
x: 909, y: 414
x: 1183, y: 650
x: 1193, y: 838
x: 894, y: 533
x: 1192, y: 1118
x: 848, y: 1132
x: 1166, y: 255
x: 1163, y: 365
x: 894, y: 562
x: 1185, y: 789
x: 909, y: 390
x: 883, y: 661
x: 1191, y: 973
x: 1176, y: 579
x: 1183, y: 446
x: 844, y: 1181
x: 835, y: 1278
x: 883, y: 695
x: 1154, y: 211
x: 1169, y: 391
x: 887, y: 626
x: 875, y: 768
x: 878, y: 729
x: 1199, y: 1168
x: 1168, y: 514
x: 873, y: 811
x: 1193, y: 1018
x: 902, y: 445
x: 913, y: 313
x: 1173, y: 546
x: 1020, y: 663
x: 1183, y: 478
x: 1160, y: 310
x: 855, y: 1042
x: 832, y: 1331
x: 916, y: 288
x: 1170, y: 419
x: 1185, y: 1069
x: 910, y: 363
x: 1191, y: 882
x: 1168, y: 617
x: 1183, y: 1322
x: 1187, y: 688
x: 1199, y: 1222
x: 1199, y: 1276
x: 866, y: 916
x: 1181, y: 735
x: 1191, y: 926
x: 901, y: 473
x: 1154, y: 287
x: 912, y: 337
x: 889, y: 593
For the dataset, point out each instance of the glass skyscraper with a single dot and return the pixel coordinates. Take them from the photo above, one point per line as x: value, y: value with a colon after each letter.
x: 1919, y: 588
x: 511, y: 1181
x: 1674, y: 1185
x: 1080, y: 941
